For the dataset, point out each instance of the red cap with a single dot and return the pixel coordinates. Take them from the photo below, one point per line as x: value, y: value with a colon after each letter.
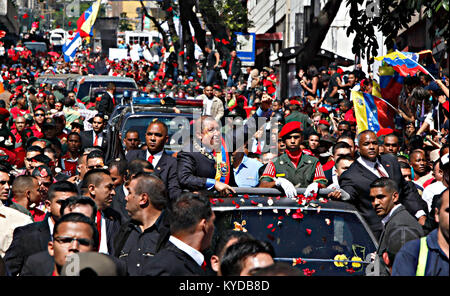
x: 323, y: 110
x: 445, y: 105
x: 384, y: 132
x: 290, y: 127
x: 294, y: 102
x: 322, y: 121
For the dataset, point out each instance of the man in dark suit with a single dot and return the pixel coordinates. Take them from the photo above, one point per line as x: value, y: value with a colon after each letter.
x: 33, y: 238
x: 72, y: 234
x: 148, y: 229
x: 398, y: 225
x: 197, y: 169
x: 191, y: 227
x: 369, y: 167
x: 165, y: 165
x: 100, y: 187
x: 96, y: 137
x: 108, y: 101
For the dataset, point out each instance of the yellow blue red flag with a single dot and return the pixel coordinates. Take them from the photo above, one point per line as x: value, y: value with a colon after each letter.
x: 372, y: 113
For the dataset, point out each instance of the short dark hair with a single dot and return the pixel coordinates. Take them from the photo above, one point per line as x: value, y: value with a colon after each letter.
x: 73, y: 133
x: 224, y: 237
x: 93, y: 177
x: 131, y: 130
x: 22, y: 183
x: 61, y: 186
x: 78, y: 218
x: 154, y: 187
x: 138, y: 165
x: 96, y: 153
x: 277, y: 269
x: 120, y: 164
x: 35, y: 149
x: 161, y: 123
x: 231, y: 263
x: 79, y: 200
x: 340, y: 145
x: 188, y: 210
x: 404, y: 165
x: 385, y: 182
x: 344, y: 157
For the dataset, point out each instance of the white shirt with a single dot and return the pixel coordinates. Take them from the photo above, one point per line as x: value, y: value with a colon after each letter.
x: 370, y: 165
x: 193, y: 253
x: 430, y: 191
x: 207, y: 104
x: 50, y: 226
x: 103, y: 242
x: 388, y: 216
x: 100, y: 138
x: 156, y: 157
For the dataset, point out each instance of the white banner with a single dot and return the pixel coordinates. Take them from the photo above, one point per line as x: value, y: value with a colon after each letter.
x: 118, y: 53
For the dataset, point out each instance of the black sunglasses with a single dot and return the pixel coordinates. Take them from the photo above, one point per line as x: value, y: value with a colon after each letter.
x: 65, y: 240
x: 39, y: 114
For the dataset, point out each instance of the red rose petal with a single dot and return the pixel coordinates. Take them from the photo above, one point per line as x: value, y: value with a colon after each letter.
x: 245, y: 196
x: 308, y: 231
x: 270, y: 226
x: 350, y: 270
x: 253, y: 202
x: 273, y: 229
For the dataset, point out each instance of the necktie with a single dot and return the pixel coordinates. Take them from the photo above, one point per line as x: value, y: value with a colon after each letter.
x: 258, y: 148
x: 96, y: 140
x: 99, y: 226
x: 150, y: 158
x: 204, y: 265
x: 214, y: 153
x: 377, y: 167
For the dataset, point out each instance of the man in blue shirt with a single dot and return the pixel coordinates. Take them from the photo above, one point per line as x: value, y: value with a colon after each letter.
x: 427, y: 256
x: 245, y: 170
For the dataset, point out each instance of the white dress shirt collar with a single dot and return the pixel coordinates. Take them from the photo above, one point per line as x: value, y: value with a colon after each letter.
x: 388, y: 216
x: 156, y: 157
x: 193, y: 253
x: 370, y: 165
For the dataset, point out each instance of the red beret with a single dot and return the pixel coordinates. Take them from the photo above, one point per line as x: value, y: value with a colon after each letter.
x: 294, y: 102
x: 322, y: 121
x: 323, y: 110
x: 445, y: 105
x: 384, y: 132
x: 4, y: 112
x: 217, y: 87
x: 290, y: 127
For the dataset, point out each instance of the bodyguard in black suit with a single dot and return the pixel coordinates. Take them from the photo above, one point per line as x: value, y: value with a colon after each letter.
x: 39, y: 264
x: 191, y: 226
x: 369, y: 167
x: 148, y: 229
x: 197, y: 169
x: 100, y: 188
x: 108, y: 101
x: 165, y: 165
x: 96, y: 137
x: 399, y: 226
x: 27, y: 240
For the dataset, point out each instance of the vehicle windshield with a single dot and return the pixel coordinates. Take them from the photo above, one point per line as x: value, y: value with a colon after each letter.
x: 141, y: 123
x: 331, y: 233
x: 83, y: 89
x: 36, y: 47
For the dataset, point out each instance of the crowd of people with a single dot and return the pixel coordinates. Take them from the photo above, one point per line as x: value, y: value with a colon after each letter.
x: 149, y: 213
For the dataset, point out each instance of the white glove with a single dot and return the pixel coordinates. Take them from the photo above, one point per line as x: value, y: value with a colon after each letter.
x: 311, y: 189
x: 287, y: 186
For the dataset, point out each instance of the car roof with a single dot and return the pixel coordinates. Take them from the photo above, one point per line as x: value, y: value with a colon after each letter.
x: 56, y: 76
x: 106, y: 78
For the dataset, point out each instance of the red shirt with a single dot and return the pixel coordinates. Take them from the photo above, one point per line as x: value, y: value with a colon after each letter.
x: 69, y: 165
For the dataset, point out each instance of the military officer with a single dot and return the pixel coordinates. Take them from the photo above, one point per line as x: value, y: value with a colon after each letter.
x: 294, y: 168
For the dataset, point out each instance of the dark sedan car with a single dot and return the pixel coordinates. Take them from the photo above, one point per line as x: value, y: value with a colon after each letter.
x: 320, y: 237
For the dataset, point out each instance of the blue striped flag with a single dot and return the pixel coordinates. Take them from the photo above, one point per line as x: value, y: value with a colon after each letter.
x: 70, y: 47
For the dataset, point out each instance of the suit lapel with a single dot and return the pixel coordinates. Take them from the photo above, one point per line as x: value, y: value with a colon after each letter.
x: 161, y: 163
x: 387, y: 166
x: 368, y: 174
x: 44, y: 233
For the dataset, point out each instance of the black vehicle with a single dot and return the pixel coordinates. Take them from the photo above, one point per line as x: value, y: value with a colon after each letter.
x: 321, y: 237
x: 176, y: 114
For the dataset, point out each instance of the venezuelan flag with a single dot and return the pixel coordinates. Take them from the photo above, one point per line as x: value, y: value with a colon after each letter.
x: 223, y: 164
x: 372, y: 113
x: 85, y: 23
x: 391, y: 84
x: 404, y: 63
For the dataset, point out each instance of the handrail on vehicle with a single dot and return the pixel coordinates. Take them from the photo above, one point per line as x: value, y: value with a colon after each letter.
x: 274, y: 191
